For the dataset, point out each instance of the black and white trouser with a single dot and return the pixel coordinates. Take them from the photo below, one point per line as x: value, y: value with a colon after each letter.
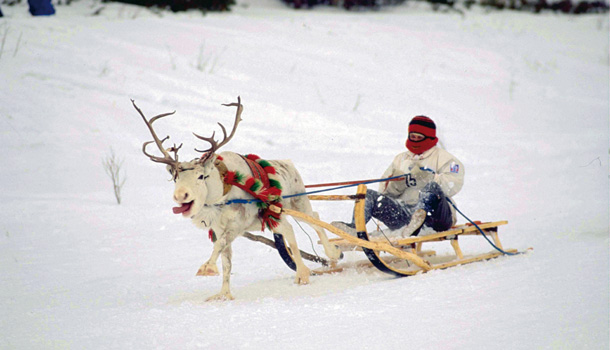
x: 396, y: 214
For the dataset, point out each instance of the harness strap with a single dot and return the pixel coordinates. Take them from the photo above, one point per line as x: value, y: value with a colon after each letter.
x: 257, y: 171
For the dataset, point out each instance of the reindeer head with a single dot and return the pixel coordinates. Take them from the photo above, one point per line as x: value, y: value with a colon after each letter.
x: 198, y: 182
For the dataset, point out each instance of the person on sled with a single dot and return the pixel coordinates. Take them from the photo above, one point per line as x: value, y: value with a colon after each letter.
x: 431, y: 176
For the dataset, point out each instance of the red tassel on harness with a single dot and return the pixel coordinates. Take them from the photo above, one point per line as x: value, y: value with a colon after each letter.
x: 270, y: 218
x: 230, y: 177
x: 269, y: 170
x: 249, y: 183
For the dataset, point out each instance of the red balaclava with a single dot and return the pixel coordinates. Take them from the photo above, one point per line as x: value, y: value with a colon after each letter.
x: 425, y: 126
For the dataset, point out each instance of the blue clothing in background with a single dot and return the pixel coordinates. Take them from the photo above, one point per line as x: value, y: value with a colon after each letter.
x: 41, y: 7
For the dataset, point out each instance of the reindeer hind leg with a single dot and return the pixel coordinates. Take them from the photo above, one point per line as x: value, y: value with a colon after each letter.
x: 303, y: 205
x: 302, y: 271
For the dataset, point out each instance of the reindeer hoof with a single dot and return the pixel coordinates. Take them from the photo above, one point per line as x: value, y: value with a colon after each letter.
x: 221, y: 297
x: 335, y: 253
x: 207, y: 270
x: 302, y: 278
x: 302, y: 281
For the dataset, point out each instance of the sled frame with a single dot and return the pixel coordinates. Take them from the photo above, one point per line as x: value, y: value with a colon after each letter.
x: 409, y: 249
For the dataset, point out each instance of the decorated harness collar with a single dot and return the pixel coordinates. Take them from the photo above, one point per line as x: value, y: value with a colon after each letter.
x: 263, y: 185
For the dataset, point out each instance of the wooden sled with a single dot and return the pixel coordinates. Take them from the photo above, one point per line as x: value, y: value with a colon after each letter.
x: 399, y: 257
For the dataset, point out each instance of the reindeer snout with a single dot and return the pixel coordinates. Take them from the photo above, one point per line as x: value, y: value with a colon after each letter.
x: 182, y: 196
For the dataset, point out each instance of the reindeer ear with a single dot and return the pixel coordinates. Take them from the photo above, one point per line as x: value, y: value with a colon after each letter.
x: 170, y: 169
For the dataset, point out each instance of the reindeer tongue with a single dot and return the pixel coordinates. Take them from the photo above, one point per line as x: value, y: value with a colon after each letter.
x: 183, y: 208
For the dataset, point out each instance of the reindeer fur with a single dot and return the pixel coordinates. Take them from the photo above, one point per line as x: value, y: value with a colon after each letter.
x: 202, y: 185
x: 200, y: 190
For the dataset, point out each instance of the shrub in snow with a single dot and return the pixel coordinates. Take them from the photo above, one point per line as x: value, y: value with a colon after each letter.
x: 564, y: 6
x: 183, y: 5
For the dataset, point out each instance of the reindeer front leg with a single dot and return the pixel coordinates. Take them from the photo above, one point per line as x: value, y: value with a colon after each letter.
x: 222, y: 247
x: 209, y: 268
x: 225, y: 291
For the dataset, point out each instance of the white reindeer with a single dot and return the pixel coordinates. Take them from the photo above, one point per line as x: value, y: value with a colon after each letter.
x: 202, y: 194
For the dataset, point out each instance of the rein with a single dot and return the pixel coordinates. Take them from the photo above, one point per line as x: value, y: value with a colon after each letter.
x: 357, y: 182
x: 349, y: 184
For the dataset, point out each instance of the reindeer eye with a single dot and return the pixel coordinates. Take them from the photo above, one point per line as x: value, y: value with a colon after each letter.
x: 201, y: 177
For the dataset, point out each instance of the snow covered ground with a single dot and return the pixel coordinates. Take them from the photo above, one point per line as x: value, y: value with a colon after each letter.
x: 521, y: 99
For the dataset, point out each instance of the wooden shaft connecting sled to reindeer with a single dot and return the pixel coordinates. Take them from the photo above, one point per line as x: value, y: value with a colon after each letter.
x: 361, y: 226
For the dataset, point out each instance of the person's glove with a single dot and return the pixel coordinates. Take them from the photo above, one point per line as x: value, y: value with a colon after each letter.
x: 395, y: 188
x: 418, y: 176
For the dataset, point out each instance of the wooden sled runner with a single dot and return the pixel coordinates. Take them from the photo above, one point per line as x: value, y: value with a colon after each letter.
x: 399, y: 257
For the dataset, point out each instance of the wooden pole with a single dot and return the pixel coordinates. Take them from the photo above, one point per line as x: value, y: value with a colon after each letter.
x: 456, y: 248
x: 359, y: 218
x: 494, y: 235
x: 360, y: 242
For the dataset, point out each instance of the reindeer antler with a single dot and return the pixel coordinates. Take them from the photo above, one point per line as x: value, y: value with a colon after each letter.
x: 214, y: 145
x: 167, y: 158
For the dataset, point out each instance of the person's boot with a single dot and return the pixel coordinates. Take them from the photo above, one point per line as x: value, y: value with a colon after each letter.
x: 417, y: 221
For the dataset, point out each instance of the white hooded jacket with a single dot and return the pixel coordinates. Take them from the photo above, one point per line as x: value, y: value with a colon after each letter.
x: 448, y: 173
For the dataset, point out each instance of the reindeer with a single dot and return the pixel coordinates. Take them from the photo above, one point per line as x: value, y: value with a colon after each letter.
x: 202, y: 195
